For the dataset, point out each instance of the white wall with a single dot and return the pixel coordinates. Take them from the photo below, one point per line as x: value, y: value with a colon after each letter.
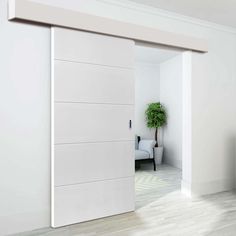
x: 171, y: 73
x: 147, y: 90
x: 25, y: 125
x: 25, y: 69
x: 214, y: 116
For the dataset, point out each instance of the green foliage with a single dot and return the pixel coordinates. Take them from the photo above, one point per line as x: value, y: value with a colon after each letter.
x: 155, y: 115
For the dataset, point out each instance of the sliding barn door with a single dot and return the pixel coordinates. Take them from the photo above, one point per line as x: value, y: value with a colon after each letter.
x: 92, y: 137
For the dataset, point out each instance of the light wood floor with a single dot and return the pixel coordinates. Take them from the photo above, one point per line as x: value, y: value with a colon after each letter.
x: 161, y: 210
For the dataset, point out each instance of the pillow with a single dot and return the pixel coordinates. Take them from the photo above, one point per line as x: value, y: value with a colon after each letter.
x: 147, y: 145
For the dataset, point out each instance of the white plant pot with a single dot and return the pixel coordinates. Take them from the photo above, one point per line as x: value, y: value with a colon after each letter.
x: 158, y: 154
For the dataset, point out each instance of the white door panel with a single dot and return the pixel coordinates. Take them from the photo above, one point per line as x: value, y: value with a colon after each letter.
x: 75, y: 122
x: 92, y: 142
x: 80, y: 82
x: 83, y: 202
x: 87, y: 162
x: 79, y: 46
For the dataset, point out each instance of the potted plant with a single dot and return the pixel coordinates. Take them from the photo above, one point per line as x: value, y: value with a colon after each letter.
x: 156, y: 117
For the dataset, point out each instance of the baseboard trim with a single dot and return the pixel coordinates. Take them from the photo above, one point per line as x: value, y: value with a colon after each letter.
x: 173, y: 162
x: 198, y: 189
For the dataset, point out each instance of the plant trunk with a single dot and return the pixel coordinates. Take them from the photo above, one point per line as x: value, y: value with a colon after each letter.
x: 156, y: 134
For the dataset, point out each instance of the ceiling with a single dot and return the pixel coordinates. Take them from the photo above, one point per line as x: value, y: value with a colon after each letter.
x: 153, y: 55
x: 218, y: 11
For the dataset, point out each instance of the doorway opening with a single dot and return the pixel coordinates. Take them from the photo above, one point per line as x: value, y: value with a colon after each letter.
x: 159, y: 76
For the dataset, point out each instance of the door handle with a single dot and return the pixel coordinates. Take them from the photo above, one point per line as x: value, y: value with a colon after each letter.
x: 130, y: 124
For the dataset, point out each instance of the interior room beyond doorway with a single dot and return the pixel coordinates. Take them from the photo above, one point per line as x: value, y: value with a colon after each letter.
x: 158, y: 79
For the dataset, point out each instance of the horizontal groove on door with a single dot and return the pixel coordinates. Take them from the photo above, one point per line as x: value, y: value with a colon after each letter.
x: 74, y: 45
x: 94, y: 181
x: 88, y: 162
x: 98, y: 103
x: 94, y: 64
x: 79, y: 203
x: 103, y: 141
x: 76, y: 123
x: 93, y: 84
